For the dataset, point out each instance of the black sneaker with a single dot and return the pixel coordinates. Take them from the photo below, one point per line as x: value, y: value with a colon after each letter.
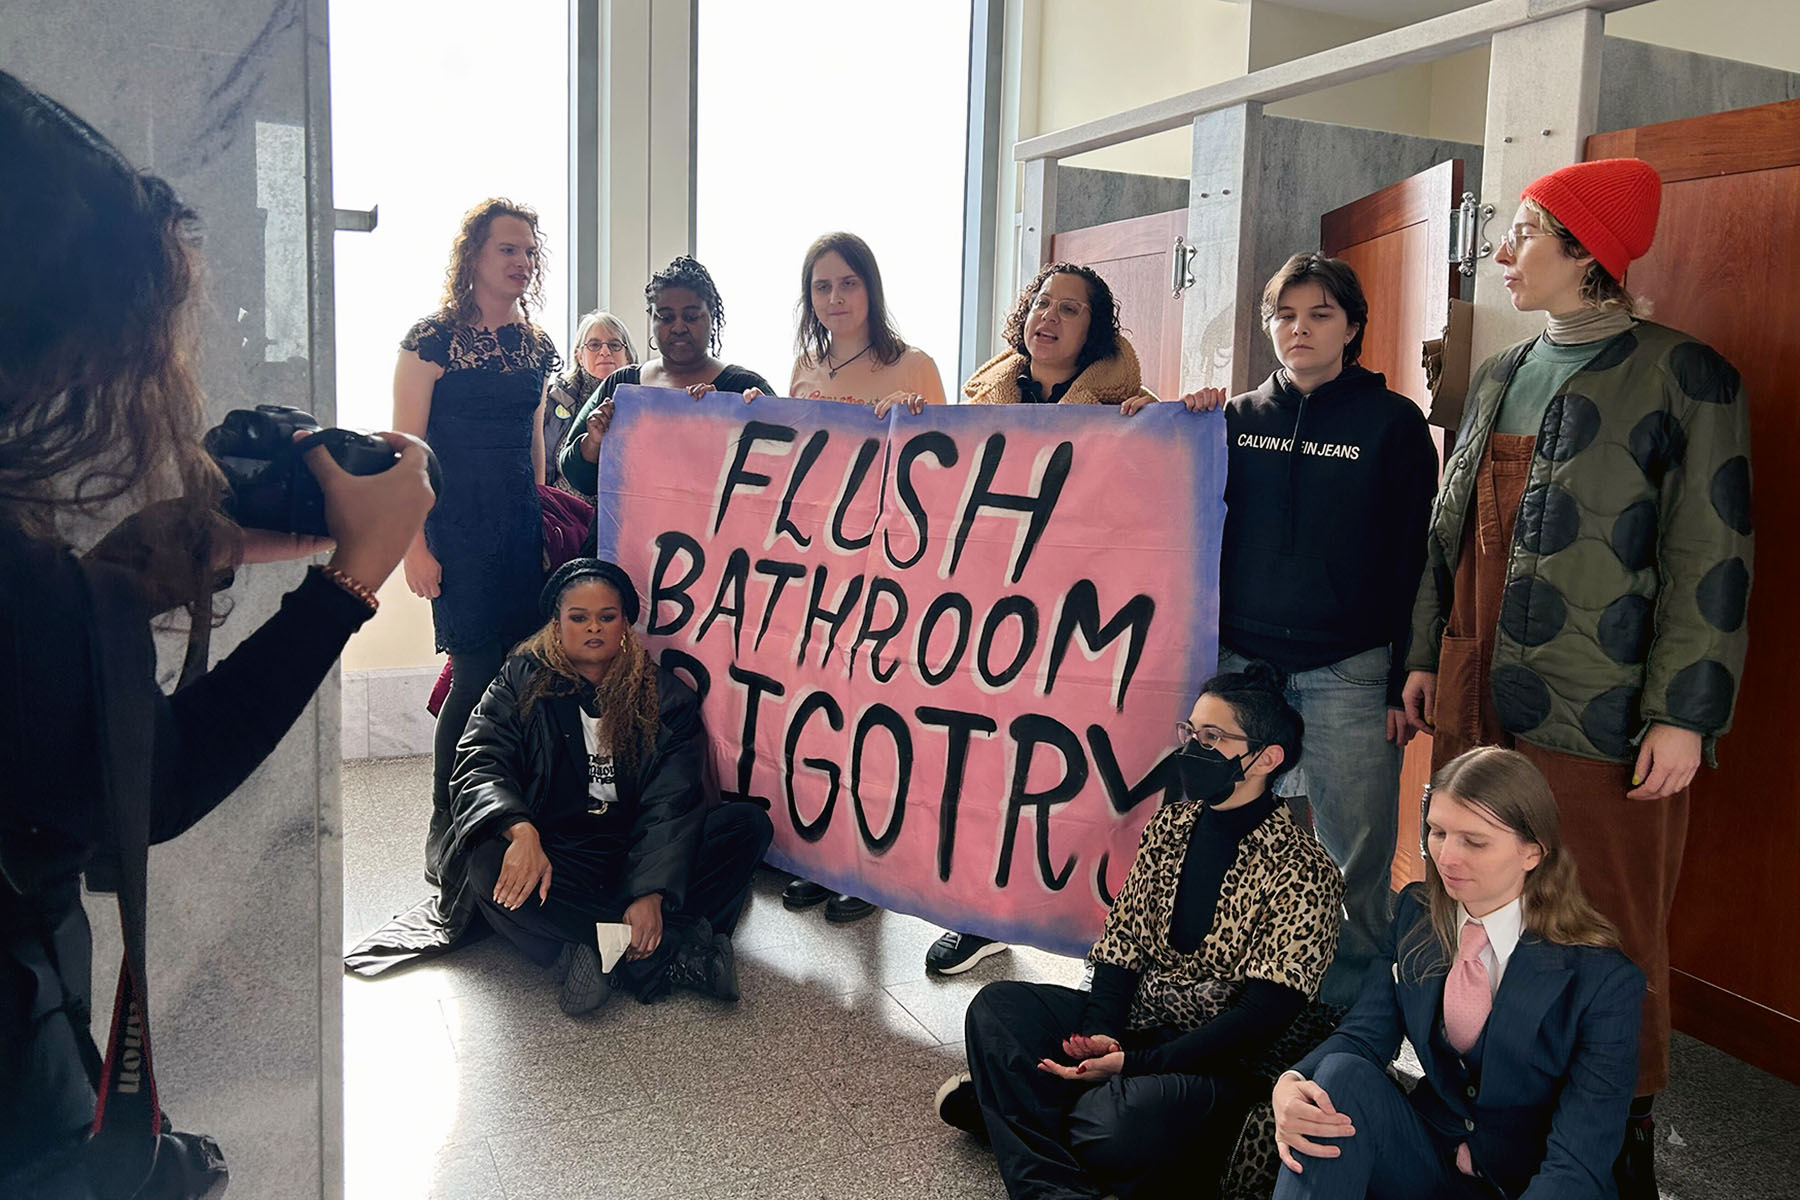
x: 955, y: 953
x: 1635, y: 1168
x: 804, y: 893
x: 957, y: 1106
x: 842, y: 909
x: 584, y: 985
x: 710, y: 969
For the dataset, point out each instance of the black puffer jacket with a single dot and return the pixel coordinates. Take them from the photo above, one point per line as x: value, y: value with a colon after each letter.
x: 506, y: 766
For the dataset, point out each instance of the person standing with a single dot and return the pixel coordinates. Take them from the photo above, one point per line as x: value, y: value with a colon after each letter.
x: 847, y: 349
x: 1327, y: 498
x: 686, y: 314
x: 470, y: 381
x: 1588, y: 569
x: 602, y: 346
x: 1064, y: 346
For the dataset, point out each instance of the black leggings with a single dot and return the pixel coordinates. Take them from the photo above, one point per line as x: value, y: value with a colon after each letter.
x: 470, y: 674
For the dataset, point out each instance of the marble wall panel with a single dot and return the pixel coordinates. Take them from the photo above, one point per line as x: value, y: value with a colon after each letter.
x: 1086, y: 197
x: 1641, y: 84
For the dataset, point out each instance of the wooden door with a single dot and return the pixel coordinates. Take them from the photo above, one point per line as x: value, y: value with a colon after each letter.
x: 1398, y: 241
x: 1722, y: 269
x: 1135, y: 257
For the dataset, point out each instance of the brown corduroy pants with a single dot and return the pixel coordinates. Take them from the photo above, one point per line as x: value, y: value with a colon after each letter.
x: 1628, y: 852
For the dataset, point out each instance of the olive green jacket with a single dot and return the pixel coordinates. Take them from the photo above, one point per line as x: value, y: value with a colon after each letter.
x: 1629, y: 574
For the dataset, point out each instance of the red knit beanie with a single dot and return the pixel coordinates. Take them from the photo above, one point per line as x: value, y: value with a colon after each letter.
x: 1609, y: 204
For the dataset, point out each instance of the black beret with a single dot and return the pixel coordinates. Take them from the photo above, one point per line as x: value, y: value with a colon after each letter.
x: 577, y: 569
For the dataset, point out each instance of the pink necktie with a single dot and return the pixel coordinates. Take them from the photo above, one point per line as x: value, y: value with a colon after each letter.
x: 1468, y: 999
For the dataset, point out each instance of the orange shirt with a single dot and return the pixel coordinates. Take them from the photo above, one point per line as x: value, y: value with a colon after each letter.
x: 865, y: 380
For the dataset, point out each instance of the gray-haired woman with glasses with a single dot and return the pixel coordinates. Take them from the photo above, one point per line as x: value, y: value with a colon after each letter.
x: 602, y: 346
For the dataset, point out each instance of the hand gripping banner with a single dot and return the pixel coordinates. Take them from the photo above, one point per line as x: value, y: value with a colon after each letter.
x: 946, y: 651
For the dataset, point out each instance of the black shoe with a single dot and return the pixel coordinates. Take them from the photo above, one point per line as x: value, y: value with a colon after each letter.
x: 804, y: 893
x: 957, y: 1106
x: 1635, y: 1168
x: 955, y: 953
x: 709, y: 969
x: 842, y: 909
x: 584, y: 984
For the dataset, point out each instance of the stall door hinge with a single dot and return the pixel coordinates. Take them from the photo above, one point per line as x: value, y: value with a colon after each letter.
x: 1468, y: 233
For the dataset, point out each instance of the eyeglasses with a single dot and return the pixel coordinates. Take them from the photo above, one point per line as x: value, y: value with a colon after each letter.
x: 1509, y: 241
x: 595, y: 346
x: 1208, y: 736
x: 1065, y: 308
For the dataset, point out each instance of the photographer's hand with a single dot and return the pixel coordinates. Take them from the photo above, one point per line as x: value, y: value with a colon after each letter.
x: 374, y: 518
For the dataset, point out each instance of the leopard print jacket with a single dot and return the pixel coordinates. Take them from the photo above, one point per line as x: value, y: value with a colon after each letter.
x: 1277, y: 919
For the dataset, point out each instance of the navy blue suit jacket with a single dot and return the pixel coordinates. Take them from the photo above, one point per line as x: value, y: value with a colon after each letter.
x: 1558, y: 1058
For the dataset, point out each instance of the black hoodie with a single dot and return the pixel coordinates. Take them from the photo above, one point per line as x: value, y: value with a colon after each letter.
x: 1328, y: 498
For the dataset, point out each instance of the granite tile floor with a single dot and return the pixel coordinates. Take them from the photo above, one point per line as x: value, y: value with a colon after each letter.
x: 464, y: 1081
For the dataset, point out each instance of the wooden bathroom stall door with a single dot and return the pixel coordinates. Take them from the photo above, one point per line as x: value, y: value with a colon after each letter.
x: 1135, y: 257
x: 1398, y: 241
x: 1722, y: 269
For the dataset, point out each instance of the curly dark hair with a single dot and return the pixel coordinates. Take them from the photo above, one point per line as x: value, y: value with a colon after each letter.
x: 686, y: 272
x: 1103, y: 326
x: 99, y: 396
x: 458, y: 304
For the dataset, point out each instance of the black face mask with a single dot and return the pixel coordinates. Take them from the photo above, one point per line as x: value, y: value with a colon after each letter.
x: 1207, y: 776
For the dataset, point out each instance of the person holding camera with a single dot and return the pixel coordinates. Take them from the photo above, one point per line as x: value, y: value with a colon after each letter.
x: 471, y: 381
x: 99, y: 404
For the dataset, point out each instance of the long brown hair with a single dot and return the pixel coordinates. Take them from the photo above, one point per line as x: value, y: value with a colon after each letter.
x: 99, y: 395
x: 1505, y: 787
x: 630, y: 710
x: 458, y: 305
x: 812, y: 340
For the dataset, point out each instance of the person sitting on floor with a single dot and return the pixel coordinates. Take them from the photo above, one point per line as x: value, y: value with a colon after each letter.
x: 1218, y: 939
x: 576, y: 799
x: 1513, y: 991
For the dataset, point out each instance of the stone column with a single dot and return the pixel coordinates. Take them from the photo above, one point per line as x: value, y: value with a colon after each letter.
x: 1220, y: 311
x: 1543, y: 99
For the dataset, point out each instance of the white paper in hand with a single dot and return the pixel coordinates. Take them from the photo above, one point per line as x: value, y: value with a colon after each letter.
x: 615, y: 938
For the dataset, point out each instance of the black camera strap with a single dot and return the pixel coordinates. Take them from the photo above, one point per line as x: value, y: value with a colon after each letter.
x: 127, y: 1115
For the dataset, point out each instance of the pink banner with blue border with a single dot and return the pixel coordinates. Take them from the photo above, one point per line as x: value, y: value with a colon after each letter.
x: 946, y: 651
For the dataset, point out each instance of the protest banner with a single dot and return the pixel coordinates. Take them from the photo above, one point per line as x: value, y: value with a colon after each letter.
x: 947, y: 651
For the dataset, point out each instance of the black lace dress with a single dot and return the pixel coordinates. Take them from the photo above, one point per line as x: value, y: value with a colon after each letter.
x: 486, y: 530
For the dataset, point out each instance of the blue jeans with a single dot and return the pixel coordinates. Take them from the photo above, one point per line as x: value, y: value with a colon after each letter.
x: 1393, y: 1154
x: 1350, y: 774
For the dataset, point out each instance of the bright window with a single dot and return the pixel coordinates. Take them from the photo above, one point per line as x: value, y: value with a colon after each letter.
x: 436, y: 105
x: 816, y: 117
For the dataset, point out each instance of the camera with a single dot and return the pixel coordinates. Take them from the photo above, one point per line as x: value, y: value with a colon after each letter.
x: 269, y: 485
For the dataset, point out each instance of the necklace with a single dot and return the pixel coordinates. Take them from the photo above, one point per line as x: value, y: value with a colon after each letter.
x: 831, y: 371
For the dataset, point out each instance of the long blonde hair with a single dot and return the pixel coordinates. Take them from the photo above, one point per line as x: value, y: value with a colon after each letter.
x: 1505, y: 787
x: 630, y: 710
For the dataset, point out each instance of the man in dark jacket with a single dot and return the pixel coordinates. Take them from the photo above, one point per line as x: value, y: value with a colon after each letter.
x: 576, y: 800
